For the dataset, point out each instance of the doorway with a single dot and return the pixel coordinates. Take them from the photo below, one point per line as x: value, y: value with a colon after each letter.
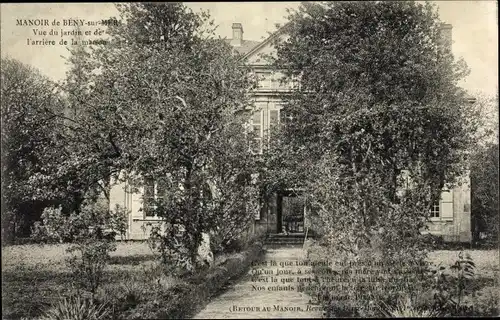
x: 290, y: 212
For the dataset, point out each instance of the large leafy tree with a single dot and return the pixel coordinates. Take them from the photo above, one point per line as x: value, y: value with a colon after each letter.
x: 484, y: 182
x: 379, y: 94
x: 28, y: 134
x: 164, y: 100
x: 86, y: 150
x: 377, y: 82
x: 484, y: 172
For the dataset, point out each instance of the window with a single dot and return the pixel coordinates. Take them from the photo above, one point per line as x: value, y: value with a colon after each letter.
x: 435, y: 210
x: 443, y: 208
x: 257, y: 131
x: 278, y: 81
x: 294, y: 84
x: 154, y: 190
x: 274, y: 118
x: 264, y: 79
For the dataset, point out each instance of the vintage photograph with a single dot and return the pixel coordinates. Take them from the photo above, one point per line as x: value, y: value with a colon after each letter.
x: 209, y: 160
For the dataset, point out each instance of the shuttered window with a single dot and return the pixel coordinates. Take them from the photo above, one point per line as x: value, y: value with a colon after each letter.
x: 443, y: 209
x: 446, y: 205
x: 257, y: 131
x: 154, y: 190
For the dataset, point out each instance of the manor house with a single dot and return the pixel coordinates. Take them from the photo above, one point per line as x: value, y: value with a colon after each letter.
x: 287, y: 210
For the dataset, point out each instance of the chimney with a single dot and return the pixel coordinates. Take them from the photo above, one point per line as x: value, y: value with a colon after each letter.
x: 446, y: 39
x: 237, y: 35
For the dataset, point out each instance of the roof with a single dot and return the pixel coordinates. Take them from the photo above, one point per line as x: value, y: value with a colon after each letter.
x: 273, y: 36
x: 246, y: 46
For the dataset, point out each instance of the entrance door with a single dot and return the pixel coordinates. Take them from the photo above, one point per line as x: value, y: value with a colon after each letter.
x: 292, y: 213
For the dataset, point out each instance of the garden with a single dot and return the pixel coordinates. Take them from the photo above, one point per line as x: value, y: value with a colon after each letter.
x: 39, y: 283
x: 459, y: 283
x: 375, y: 130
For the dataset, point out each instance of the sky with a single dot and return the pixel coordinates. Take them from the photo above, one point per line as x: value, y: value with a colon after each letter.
x: 475, y: 31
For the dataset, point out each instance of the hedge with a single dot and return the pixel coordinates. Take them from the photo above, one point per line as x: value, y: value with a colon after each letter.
x: 184, y: 301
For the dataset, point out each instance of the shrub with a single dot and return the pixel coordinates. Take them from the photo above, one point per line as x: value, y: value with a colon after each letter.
x: 92, y: 232
x: 486, y: 302
x: 450, y: 283
x: 406, y: 308
x: 88, y: 260
x: 170, y: 301
x: 76, y: 308
x: 94, y: 220
x: 433, y: 241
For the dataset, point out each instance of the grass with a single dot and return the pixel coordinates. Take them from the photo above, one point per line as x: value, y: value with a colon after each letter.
x: 34, y: 276
x: 487, y: 261
x: 478, y: 291
x: 38, y: 274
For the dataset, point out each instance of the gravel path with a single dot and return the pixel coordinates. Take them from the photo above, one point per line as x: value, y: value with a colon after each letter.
x: 256, y: 295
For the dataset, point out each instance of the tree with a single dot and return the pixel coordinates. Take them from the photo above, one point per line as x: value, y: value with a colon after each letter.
x: 164, y: 100
x: 376, y: 80
x: 378, y: 95
x: 28, y: 135
x: 484, y: 172
x: 484, y: 183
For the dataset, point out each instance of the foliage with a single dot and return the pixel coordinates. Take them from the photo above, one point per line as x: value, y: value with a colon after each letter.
x: 170, y: 302
x: 87, y: 262
x: 83, y: 168
x: 28, y: 131
x: 450, y: 284
x: 396, y: 81
x: 484, y: 191
x: 378, y: 126
x: 172, y: 113
x: 78, y: 308
x: 92, y: 233
x: 486, y: 302
x: 29, y: 291
x: 406, y: 309
x: 174, y: 109
x: 94, y: 221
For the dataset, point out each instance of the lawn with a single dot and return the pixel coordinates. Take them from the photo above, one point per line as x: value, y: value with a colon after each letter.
x: 487, y: 261
x: 33, y: 276
x: 480, y: 293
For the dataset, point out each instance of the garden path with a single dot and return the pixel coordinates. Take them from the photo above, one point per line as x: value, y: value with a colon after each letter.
x: 242, y: 301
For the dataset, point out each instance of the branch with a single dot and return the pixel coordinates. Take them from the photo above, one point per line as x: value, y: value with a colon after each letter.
x: 113, y: 144
x: 367, y: 152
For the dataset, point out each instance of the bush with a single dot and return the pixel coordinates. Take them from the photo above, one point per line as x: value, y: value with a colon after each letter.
x: 433, y: 242
x: 88, y: 260
x: 366, y: 281
x: 92, y: 233
x: 486, y: 302
x: 169, y: 302
x: 95, y: 220
x: 406, y: 308
x: 239, y: 243
x: 450, y: 283
x: 76, y: 308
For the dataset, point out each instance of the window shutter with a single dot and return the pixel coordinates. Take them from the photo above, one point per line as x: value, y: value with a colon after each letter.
x: 148, y: 200
x: 447, y: 210
x: 259, y: 210
x: 117, y: 195
x: 446, y: 207
x: 136, y: 202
